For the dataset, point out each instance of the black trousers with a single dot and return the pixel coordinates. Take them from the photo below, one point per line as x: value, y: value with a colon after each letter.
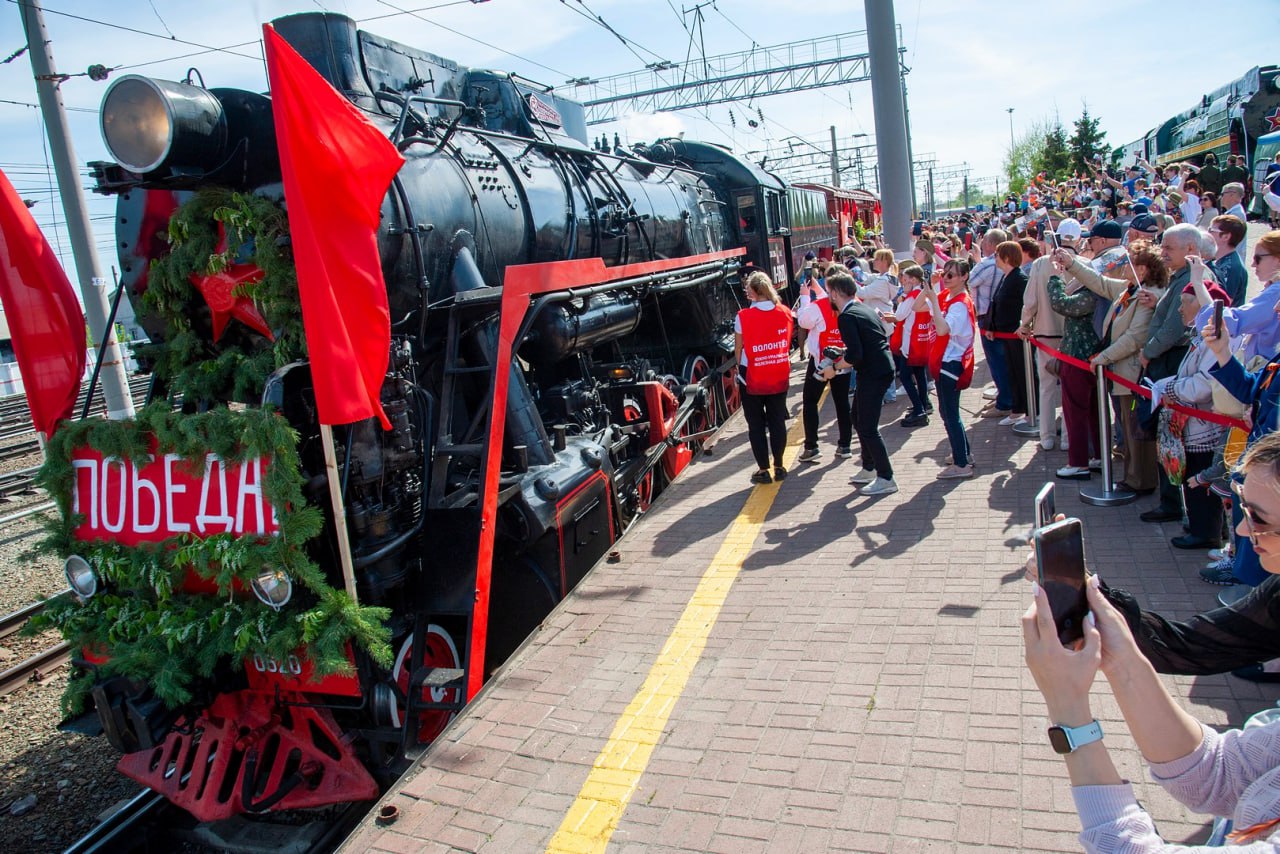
x: 766, y: 416
x: 1204, y: 508
x: 839, y: 399
x: 868, y: 398
x: 1018, y: 375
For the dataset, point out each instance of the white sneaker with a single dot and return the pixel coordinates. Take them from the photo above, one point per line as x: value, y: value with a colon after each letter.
x: 1047, y: 444
x: 1010, y: 419
x: 990, y: 393
x: 864, y: 476
x: 1095, y: 464
x: 879, y: 486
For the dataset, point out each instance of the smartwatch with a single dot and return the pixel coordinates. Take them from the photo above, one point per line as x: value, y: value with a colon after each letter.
x: 1067, y: 739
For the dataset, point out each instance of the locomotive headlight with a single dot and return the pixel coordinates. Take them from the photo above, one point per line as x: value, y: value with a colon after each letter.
x: 153, y: 124
x: 81, y: 578
x: 273, y: 587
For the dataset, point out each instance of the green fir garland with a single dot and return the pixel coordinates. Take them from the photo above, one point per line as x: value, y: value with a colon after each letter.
x: 237, y: 368
x: 152, y: 630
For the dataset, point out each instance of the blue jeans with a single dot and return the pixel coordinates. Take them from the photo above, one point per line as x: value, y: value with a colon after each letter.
x: 949, y: 410
x: 915, y: 381
x: 999, y: 368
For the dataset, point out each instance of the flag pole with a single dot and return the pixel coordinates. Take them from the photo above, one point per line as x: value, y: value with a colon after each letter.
x: 339, y: 512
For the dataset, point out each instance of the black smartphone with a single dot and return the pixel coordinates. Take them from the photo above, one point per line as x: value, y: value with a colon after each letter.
x: 1044, y: 509
x: 1217, y: 317
x: 1060, y: 558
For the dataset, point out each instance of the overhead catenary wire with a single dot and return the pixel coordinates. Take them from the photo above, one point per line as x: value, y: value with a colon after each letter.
x: 137, y: 31
x: 503, y: 51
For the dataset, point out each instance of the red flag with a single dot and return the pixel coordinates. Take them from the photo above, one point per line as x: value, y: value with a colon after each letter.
x: 45, y: 319
x: 337, y: 166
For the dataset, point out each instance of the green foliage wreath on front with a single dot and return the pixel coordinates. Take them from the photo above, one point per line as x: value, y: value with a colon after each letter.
x: 235, y: 369
x: 152, y: 630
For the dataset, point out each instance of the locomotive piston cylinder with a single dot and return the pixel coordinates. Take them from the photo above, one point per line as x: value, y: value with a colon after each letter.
x: 565, y: 330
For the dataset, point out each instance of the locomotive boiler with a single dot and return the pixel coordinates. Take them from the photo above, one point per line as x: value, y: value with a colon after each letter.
x: 562, y: 336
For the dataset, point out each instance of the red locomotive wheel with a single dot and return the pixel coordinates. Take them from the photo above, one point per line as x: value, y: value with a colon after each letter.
x: 644, y: 492
x: 440, y: 652
x: 696, y: 369
x: 730, y: 392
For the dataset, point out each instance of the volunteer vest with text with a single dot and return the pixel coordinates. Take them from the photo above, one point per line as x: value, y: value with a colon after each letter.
x: 913, y: 338
x: 940, y: 343
x: 766, y: 342
x: 830, y: 335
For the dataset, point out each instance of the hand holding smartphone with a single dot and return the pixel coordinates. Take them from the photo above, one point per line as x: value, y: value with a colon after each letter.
x: 1060, y: 560
x: 1217, y: 317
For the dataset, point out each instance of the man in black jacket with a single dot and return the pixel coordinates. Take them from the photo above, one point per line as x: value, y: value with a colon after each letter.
x: 867, y: 352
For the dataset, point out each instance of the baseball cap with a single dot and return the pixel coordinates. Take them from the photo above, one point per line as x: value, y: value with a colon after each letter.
x: 1108, y: 229
x: 1069, y: 229
x: 1139, y: 208
x: 809, y: 256
x: 1145, y: 223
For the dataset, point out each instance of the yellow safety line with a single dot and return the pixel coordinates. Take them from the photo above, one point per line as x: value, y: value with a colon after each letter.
x: 616, y: 772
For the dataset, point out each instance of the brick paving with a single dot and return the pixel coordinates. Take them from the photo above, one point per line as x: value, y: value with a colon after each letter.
x: 862, y: 690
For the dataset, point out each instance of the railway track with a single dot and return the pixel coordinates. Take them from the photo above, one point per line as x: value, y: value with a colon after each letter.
x: 15, y: 417
x: 149, y: 823
x: 20, y: 482
x: 34, y: 667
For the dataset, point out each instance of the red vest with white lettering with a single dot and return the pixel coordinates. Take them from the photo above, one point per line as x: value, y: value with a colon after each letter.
x: 940, y: 343
x: 830, y: 334
x: 766, y: 342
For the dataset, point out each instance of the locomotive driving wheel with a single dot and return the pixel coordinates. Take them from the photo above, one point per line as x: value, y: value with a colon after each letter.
x: 697, y: 369
x: 730, y: 394
x: 440, y: 652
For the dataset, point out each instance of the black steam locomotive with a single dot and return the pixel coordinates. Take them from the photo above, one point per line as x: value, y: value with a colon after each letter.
x: 561, y: 342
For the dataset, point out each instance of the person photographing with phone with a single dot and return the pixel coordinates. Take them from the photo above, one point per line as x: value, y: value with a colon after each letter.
x: 867, y: 352
x: 951, y: 359
x: 1234, y: 774
x: 816, y: 315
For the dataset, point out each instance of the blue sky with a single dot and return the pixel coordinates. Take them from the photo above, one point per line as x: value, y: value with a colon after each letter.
x: 969, y: 61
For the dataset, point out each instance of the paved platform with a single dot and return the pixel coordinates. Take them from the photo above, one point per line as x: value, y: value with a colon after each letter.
x: 858, y: 685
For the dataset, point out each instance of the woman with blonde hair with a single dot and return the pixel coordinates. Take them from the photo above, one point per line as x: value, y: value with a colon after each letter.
x: 922, y: 254
x: 762, y: 345
x: 1233, y: 774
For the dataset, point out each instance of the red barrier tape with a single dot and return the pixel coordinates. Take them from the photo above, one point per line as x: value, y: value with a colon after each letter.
x: 1143, y: 391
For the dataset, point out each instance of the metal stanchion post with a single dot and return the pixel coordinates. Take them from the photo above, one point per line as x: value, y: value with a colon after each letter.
x: 1031, y: 427
x: 1110, y: 494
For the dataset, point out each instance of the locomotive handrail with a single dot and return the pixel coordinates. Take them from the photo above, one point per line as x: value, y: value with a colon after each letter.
x: 406, y: 104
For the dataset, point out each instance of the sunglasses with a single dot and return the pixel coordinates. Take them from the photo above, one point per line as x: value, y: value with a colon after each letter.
x: 1250, y: 521
x: 1258, y: 256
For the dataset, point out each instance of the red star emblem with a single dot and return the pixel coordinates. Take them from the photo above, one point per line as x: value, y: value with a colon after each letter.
x: 1274, y: 119
x: 219, y: 290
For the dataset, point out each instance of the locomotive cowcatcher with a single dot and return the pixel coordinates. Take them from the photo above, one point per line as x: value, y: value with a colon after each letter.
x: 561, y: 342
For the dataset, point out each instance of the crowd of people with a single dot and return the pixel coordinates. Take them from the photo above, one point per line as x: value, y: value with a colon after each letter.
x: 1144, y: 274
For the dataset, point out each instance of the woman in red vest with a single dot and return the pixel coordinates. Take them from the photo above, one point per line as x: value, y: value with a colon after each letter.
x: 951, y: 361
x: 762, y: 344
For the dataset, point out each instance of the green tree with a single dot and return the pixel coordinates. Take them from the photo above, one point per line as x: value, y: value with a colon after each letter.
x: 1055, y: 157
x: 1088, y: 141
x: 1022, y: 163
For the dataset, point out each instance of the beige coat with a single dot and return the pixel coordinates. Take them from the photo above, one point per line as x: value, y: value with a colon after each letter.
x: 1036, y: 311
x: 1128, y: 329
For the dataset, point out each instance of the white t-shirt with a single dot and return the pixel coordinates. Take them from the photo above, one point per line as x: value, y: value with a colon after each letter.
x: 961, y: 332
